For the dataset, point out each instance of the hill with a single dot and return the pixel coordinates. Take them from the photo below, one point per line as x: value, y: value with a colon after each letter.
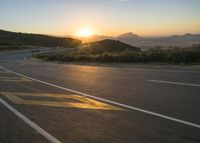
x: 8, y: 38
x: 129, y: 35
x: 110, y: 46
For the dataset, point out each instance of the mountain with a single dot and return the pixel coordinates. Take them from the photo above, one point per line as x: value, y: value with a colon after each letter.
x: 181, y: 41
x: 108, y: 45
x: 187, y: 37
x: 8, y: 38
x: 129, y: 35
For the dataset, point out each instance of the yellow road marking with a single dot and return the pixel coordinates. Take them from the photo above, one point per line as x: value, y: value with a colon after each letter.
x: 8, y: 78
x: 2, y: 71
x: 11, y: 78
x: 82, y: 102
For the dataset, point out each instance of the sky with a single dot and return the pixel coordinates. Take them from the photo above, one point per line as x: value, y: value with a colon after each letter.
x: 104, y: 17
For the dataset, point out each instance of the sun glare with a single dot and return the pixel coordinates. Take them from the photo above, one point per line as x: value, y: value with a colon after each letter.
x: 86, y: 32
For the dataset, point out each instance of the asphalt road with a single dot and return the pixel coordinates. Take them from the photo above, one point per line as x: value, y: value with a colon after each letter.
x: 52, y: 102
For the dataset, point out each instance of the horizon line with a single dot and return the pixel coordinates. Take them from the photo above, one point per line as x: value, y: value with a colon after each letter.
x: 96, y: 34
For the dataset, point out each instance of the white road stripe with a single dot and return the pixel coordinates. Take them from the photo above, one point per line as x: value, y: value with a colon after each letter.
x: 164, y: 70
x: 109, y: 101
x: 49, y: 69
x: 30, y: 123
x: 176, y: 83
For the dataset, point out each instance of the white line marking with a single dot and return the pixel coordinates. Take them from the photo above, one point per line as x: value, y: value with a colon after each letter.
x: 109, y: 101
x: 176, y: 83
x: 49, y: 69
x: 30, y: 123
x: 164, y: 70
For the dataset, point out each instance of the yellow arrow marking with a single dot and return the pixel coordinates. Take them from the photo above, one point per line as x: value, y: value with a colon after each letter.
x: 80, y: 101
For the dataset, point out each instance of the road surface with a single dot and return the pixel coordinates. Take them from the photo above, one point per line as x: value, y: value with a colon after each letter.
x: 43, y: 102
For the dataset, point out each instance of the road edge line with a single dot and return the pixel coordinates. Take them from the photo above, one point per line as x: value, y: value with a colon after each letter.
x: 175, y: 83
x: 30, y: 123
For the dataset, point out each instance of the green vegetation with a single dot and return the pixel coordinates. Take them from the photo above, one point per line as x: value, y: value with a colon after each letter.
x: 171, y: 55
x: 13, y: 39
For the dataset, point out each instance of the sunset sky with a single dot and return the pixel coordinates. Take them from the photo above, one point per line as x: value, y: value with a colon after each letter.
x: 106, y: 17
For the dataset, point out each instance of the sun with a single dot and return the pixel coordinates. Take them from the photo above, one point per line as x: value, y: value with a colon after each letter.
x: 86, y: 32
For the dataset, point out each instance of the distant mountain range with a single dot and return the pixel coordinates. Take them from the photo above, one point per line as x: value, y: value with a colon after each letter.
x: 146, y: 43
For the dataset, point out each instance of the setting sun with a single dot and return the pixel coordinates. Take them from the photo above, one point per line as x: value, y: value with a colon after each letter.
x: 85, y: 32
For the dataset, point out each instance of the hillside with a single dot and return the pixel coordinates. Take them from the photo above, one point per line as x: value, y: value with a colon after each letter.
x: 13, y: 38
x: 110, y: 46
